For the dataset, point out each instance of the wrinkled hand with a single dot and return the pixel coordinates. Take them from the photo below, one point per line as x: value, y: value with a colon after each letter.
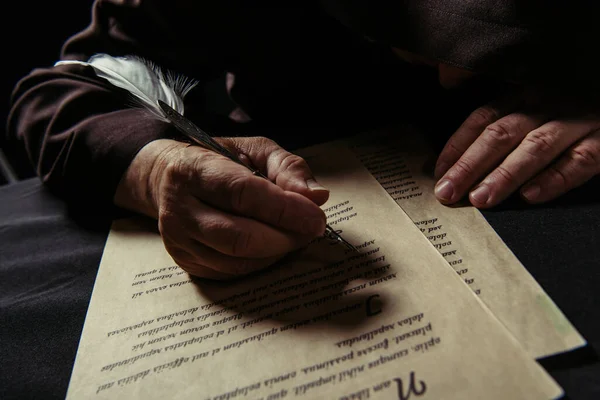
x: 218, y: 220
x: 533, y: 145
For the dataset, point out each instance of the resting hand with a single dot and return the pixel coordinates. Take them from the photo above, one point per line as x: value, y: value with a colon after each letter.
x: 218, y: 220
x: 538, y: 149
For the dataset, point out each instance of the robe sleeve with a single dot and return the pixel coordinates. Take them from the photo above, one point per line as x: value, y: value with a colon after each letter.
x: 79, y: 133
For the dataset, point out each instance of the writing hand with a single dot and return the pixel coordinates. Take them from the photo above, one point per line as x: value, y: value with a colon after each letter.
x: 537, y: 147
x: 218, y: 220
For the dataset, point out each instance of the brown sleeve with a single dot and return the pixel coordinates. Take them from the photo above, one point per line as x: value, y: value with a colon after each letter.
x: 79, y: 132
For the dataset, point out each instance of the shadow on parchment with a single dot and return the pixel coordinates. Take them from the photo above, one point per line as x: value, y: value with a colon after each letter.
x: 320, y: 304
x: 284, y: 292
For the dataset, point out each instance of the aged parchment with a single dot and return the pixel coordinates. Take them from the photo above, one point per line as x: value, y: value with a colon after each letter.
x: 403, y: 164
x: 393, y: 321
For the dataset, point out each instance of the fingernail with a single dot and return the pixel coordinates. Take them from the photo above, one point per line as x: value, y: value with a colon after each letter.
x: 444, y: 190
x: 314, y: 185
x: 481, y: 195
x: 313, y: 226
x: 440, y: 170
x: 531, y: 192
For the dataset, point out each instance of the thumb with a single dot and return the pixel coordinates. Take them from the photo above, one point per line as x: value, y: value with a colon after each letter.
x: 287, y: 170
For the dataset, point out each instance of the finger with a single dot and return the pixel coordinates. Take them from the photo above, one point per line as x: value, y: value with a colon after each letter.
x: 535, y: 152
x: 287, y: 170
x: 231, y: 187
x: 464, y: 136
x: 188, y: 262
x: 204, y: 262
x: 228, y: 234
x: 484, y: 154
x: 578, y: 165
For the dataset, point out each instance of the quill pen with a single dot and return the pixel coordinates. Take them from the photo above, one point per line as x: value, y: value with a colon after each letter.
x: 162, y: 94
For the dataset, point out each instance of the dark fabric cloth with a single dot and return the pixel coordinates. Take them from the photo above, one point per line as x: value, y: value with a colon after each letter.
x: 48, y: 264
x: 559, y: 244
x: 50, y: 257
x: 33, y: 39
x: 537, y: 42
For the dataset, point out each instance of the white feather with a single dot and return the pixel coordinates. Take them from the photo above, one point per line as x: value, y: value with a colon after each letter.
x: 145, y: 80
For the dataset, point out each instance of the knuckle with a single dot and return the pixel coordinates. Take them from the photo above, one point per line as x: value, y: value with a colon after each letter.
x: 255, y: 145
x: 263, y: 145
x: 450, y: 154
x: 505, y: 174
x: 291, y: 161
x: 540, y: 141
x: 463, y: 167
x: 182, y: 169
x: 482, y: 116
x: 200, y: 166
x: 499, y: 134
x: 584, y: 157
